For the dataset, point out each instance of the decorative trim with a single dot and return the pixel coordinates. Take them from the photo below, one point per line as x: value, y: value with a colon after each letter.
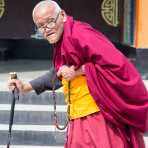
x: 2, y: 9
x: 109, y: 11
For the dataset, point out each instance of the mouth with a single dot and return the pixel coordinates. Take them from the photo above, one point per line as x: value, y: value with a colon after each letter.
x: 49, y: 34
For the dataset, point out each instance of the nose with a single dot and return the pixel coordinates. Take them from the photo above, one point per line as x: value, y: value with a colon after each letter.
x: 46, y: 29
x: 46, y: 32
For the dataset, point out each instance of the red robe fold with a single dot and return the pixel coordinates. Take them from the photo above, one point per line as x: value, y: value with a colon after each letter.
x: 112, y: 80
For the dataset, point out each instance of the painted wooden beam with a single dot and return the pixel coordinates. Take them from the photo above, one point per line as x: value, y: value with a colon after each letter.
x: 141, y: 32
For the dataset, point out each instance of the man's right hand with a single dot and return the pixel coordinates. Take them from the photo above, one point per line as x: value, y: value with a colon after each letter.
x: 15, y: 83
x: 22, y: 87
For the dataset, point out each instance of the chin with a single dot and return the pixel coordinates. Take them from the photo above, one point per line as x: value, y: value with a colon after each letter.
x: 52, y: 40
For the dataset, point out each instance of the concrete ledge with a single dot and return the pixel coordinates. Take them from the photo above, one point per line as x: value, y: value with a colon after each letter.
x: 26, y: 146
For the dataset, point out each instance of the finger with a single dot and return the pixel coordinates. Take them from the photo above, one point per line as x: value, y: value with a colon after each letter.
x: 68, y: 77
x: 72, y: 67
x: 11, y: 83
x: 15, y: 84
x: 59, y: 73
x: 11, y: 87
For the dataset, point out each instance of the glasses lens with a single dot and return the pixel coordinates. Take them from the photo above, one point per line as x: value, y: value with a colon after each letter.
x: 50, y: 25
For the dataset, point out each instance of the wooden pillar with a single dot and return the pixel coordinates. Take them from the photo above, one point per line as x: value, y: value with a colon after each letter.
x: 141, y: 30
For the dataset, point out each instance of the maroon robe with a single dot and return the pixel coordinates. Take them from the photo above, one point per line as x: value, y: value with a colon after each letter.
x: 114, y: 83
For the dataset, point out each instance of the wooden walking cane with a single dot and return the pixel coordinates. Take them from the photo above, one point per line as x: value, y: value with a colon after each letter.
x: 14, y: 97
x: 55, y: 111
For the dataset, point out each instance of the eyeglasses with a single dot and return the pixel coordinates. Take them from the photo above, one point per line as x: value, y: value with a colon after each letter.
x: 50, y: 24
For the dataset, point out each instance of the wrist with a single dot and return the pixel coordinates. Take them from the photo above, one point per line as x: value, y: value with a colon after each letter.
x: 80, y: 71
x: 26, y: 87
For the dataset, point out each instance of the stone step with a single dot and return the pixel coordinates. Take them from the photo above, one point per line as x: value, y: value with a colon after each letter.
x: 29, y: 117
x: 30, y: 107
x: 146, y: 141
x: 33, y: 146
x: 32, y: 98
x: 30, y: 127
x: 42, y: 137
x: 38, y: 138
x: 24, y: 67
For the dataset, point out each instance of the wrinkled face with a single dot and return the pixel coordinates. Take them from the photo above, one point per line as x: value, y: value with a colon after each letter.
x: 49, y: 23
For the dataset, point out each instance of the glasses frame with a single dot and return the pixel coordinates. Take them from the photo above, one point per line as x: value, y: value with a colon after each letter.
x: 50, y: 24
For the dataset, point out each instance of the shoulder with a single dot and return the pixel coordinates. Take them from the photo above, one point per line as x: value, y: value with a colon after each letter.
x: 84, y: 32
x: 80, y: 28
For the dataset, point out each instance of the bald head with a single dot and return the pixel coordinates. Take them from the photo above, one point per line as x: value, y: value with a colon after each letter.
x: 43, y: 6
x: 49, y: 19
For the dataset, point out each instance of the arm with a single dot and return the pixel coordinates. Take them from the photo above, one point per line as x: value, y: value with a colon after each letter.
x: 21, y: 86
x: 39, y: 84
x: 45, y: 81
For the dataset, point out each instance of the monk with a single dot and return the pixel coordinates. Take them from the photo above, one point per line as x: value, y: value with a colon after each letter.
x: 108, y: 100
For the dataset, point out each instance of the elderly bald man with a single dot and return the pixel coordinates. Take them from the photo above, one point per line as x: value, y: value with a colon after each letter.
x: 49, y: 19
x: 108, y: 100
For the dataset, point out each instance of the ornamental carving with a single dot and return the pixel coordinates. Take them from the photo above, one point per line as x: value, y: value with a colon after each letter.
x: 109, y: 11
x: 2, y: 9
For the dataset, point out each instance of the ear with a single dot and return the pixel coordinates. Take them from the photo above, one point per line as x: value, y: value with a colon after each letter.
x: 64, y: 15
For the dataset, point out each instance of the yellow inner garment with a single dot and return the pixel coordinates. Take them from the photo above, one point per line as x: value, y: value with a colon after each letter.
x: 81, y: 102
